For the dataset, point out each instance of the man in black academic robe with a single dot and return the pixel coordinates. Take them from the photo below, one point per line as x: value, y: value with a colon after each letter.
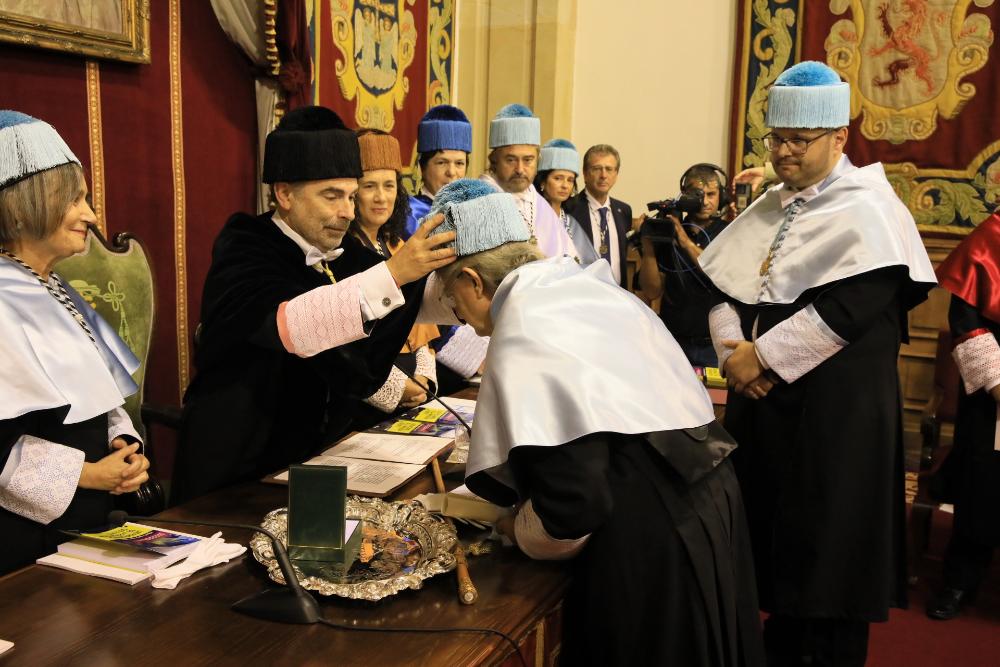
x: 818, y: 275
x: 971, y: 473
x: 296, y: 328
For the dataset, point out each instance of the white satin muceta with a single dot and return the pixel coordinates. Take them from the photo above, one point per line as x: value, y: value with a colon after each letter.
x: 47, y: 358
x: 855, y: 225
x: 571, y: 354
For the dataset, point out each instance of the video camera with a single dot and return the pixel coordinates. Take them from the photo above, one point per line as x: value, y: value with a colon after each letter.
x: 659, y: 228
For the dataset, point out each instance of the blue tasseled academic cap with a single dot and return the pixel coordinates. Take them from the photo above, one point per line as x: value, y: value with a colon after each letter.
x: 482, y: 216
x: 559, y: 154
x: 442, y: 128
x: 809, y: 95
x: 515, y: 124
x: 29, y: 146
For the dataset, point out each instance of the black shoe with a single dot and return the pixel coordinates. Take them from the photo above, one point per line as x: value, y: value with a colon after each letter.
x: 948, y: 603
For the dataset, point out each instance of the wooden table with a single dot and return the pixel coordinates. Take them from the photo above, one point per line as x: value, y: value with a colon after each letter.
x: 57, y: 617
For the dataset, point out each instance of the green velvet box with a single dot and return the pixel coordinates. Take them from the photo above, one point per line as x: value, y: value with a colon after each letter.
x: 317, y: 498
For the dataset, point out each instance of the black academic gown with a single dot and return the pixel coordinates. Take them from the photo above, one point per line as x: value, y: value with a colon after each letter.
x: 253, y: 408
x: 972, y: 470
x: 820, y: 460
x: 666, y: 577
x: 25, y: 540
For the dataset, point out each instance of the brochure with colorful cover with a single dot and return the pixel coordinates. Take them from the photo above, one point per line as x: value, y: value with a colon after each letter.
x: 429, y: 419
x: 145, y: 538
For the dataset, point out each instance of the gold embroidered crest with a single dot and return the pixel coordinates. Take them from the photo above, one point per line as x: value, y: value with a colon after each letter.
x: 905, y: 61
x: 377, y: 40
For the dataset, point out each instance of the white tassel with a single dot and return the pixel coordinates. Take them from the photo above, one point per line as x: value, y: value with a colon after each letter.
x: 29, y: 148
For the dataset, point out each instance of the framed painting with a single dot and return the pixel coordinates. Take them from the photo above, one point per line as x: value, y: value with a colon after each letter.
x: 109, y: 29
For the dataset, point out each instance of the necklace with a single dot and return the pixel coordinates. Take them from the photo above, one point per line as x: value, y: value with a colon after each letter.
x: 529, y: 220
x: 58, y: 291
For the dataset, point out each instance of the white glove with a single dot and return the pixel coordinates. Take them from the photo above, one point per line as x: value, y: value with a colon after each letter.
x: 210, y: 551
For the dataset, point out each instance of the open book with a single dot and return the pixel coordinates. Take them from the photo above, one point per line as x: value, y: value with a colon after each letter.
x: 378, y: 463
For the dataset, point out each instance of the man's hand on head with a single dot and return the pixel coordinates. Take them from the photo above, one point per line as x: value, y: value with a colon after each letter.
x: 422, y: 253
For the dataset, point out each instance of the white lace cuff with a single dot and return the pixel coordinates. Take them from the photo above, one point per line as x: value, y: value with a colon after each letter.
x: 799, y: 344
x: 40, y: 478
x: 465, y: 352
x: 387, y: 398
x: 119, y: 423
x: 536, y: 542
x: 978, y: 360
x: 426, y: 365
x: 379, y: 294
x: 322, y: 318
x: 724, y: 324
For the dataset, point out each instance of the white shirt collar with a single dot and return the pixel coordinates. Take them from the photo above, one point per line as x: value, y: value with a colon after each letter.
x: 594, y: 204
x: 313, y: 254
x: 789, y: 195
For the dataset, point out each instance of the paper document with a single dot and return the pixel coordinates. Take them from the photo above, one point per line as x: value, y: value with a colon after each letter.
x: 389, y: 447
x: 374, y: 478
x: 5, y: 646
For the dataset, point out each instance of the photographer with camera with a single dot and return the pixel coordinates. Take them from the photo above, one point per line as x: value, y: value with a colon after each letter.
x: 670, y: 250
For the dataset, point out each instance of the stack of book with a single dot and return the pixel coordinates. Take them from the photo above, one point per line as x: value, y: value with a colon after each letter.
x: 129, y: 553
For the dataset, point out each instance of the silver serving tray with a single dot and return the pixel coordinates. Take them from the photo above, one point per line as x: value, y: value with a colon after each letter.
x: 386, y: 575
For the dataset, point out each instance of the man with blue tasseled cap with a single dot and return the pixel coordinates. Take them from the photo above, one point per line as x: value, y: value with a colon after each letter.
x: 444, y: 142
x: 607, y: 464
x: 818, y: 276
x: 515, y: 141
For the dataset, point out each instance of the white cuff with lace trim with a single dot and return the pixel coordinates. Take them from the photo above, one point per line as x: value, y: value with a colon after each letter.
x: 978, y: 360
x: 322, y: 318
x: 426, y: 365
x: 389, y: 395
x: 724, y: 324
x: 465, y: 351
x: 40, y: 478
x: 799, y: 344
x: 119, y: 424
x: 536, y: 542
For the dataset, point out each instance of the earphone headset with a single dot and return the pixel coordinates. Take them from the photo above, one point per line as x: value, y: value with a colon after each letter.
x: 724, y: 196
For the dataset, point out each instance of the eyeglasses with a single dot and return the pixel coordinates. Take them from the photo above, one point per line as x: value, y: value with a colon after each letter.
x: 796, y: 146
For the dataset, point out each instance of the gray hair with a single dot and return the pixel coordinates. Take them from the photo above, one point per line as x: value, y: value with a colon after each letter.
x: 35, y: 206
x: 492, y: 265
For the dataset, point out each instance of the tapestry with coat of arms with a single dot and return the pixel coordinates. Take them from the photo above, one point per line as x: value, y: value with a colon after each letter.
x: 382, y: 63
x: 925, y: 93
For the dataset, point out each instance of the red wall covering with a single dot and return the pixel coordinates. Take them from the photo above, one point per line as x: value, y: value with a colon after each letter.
x: 219, y: 144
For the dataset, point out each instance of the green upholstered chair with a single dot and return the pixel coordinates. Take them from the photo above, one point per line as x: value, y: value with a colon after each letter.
x: 116, y: 279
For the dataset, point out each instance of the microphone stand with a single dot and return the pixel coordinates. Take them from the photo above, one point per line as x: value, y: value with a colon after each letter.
x: 288, y: 604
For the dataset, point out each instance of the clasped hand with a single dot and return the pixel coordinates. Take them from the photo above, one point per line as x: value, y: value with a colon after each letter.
x: 744, y: 373
x: 122, y: 471
x: 422, y: 253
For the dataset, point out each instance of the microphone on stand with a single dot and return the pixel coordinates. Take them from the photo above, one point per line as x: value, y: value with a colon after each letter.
x: 289, y: 604
x: 468, y: 429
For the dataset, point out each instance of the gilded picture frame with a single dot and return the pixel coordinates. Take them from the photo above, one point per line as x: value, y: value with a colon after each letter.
x: 108, y: 29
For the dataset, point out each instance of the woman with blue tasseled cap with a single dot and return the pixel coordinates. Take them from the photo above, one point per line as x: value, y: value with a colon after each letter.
x: 613, y: 465
x: 558, y: 167
x: 444, y: 142
x: 66, y: 443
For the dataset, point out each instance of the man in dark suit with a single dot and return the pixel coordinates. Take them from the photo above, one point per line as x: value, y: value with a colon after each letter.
x: 604, y: 219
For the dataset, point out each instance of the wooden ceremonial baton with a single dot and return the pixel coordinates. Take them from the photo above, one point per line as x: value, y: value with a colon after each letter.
x: 467, y: 593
